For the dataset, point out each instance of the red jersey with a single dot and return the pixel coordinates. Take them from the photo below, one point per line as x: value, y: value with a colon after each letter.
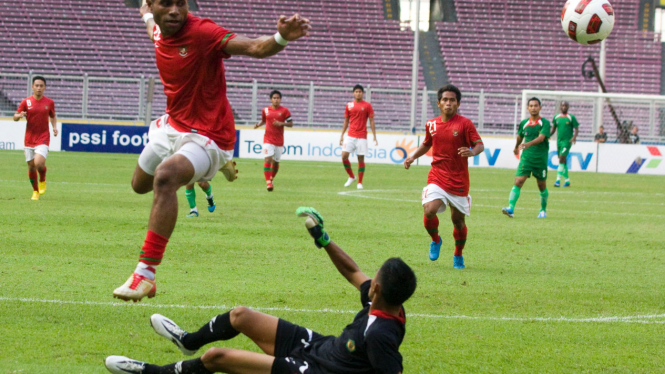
x: 39, y: 111
x: 358, y: 113
x: 275, y: 134
x: 450, y: 171
x: 192, y: 71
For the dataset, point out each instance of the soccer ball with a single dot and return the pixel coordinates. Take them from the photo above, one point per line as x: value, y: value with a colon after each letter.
x: 587, y: 21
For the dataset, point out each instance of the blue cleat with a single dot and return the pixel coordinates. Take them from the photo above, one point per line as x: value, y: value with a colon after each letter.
x: 542, y: 214
x: 557, y: 183
x: 567, y: 184
x: 211, y: 204
x: 508, y: 212
x: 458, y: 262
x: 434, y: 249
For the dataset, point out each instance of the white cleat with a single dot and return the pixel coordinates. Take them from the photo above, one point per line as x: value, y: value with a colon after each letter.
x: 360, y: 186
x: 349, y: 182
x: 168, y: 329
x: 136, y: 288
x: 124, y: 365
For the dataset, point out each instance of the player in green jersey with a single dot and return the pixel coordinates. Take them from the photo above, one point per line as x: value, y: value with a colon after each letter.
x: 534, y: 131
x: 191, y: 198
x: 568, y: 130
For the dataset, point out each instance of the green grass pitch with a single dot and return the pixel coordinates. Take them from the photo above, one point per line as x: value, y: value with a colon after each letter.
x: 578, y: 292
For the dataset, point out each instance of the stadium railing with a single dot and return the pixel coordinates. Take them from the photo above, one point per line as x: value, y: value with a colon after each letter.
x: 317, y: 107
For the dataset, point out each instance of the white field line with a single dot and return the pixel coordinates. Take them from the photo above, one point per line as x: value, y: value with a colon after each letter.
x: 358, y: 194
x: 644, y: 319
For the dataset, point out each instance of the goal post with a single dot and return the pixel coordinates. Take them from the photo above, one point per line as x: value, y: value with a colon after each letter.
x: 594, y: 109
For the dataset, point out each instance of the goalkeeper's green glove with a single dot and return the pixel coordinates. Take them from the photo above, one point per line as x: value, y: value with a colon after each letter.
x: 321, y: 238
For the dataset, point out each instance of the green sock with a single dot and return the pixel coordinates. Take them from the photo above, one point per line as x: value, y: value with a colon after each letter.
x: 208, y: 192
x: 543, y: 199
x: 565, y: 171
x: 514, y: 195
x: 191, y: 198
x: 559, y: 172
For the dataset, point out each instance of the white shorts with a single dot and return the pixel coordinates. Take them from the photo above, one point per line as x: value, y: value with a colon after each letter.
x: 30, y: 152
x: 274, y: 151
x: 357, y: 145
x: 165, y: 141
x: 433, y: 192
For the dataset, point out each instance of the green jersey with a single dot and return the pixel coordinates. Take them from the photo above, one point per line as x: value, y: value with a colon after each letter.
x: 529, y: 131
x: 565, y: 125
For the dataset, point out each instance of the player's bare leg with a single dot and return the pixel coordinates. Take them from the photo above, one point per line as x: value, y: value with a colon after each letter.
x: 544, y: 194
x: 431, y: 222
x: 32, y: 174
x: 40, y: 166
x: 267, y: 172
x: 347, y: 167
x: 170, y: 175
x: 361, y: 171
x: 459, y: 234
x: 514, y: 196
x: 142, y: 182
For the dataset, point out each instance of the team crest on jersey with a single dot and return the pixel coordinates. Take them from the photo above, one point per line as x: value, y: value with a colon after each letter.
x: 183, y: 51
x: 455, y: 132
x: 351, y: 345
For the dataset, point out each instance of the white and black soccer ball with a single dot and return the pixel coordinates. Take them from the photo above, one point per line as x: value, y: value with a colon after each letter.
x: 587, y: 21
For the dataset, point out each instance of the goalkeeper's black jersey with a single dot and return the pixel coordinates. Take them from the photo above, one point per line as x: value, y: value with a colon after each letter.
x: 369, y: 345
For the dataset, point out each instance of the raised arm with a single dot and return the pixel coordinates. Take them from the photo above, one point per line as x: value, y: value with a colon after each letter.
x: 149, y: 20
x: 288, y: 29
x: 342, y: 261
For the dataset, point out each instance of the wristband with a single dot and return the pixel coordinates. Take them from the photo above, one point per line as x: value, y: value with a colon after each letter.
x: 147, y: 16
x: 280, y: 40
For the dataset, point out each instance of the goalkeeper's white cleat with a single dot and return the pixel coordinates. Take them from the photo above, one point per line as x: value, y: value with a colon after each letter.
x: 349, y: 182
x: 168, y: 329
x: 124, y: 365
x: 136, y: 288
x: 229, y: 171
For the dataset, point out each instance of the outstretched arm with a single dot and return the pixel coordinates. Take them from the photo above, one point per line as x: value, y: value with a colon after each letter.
x: 342, y: 261
x: 288, y: 29
x: 345, y: 265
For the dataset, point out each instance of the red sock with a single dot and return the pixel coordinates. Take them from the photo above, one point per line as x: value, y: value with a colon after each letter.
x: 460, y: 240
x: 42, y: 175
x: 153, y: 249
x: 432, y: 226
x: 275, y: 169
x: 361, y: 172
x: 347, y: 166
x: 33, y: 180
x: 267, y: 171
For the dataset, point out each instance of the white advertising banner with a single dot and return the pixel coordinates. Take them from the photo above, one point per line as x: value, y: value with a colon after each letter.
x: 631, y: 159
x: 324, y: 146
x: 12, y: 136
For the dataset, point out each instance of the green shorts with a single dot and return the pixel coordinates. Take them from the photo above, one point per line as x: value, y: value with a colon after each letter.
x: 563, y: 148
x: 525, y: 170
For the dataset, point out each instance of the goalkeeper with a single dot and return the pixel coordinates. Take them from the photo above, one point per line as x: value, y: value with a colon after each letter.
x: 370, y: 344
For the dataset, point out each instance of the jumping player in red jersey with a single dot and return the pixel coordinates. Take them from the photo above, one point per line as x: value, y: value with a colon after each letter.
x: 197, y: 134
x: 275, y: 117
x: 37, y: 109
x: 454, y: 139
x: 355, y: 119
